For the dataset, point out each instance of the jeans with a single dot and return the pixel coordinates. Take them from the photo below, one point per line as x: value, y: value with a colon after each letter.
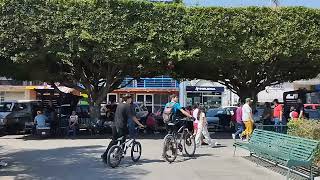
x: 277, y: 125
x: 73, y: 130
x: 239, y: 128
x: 132, y: 128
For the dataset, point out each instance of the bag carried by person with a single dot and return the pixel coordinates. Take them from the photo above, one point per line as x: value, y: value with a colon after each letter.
x: 167, y: 112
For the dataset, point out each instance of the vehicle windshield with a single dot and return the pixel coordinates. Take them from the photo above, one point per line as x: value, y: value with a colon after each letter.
x: 258, y: 112
x: 5, y: 107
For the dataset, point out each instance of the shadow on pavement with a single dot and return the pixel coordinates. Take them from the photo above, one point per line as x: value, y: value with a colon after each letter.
x: 105, y: 136
x: 278, y: 169
x: 187, y: 158
x: 63, y: 164
x: 127, y: 162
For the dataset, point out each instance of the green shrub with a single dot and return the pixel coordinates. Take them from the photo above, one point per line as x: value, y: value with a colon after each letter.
x: 307, y: 129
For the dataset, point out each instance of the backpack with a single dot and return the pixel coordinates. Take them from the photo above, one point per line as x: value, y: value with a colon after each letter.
x: 167, y: 112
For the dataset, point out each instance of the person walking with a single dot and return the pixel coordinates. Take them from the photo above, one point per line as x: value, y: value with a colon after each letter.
x: 277, y: 116
x: 195, y: 116
x: 203, y: 129
x: 267, y: 116
x: 239, y: 122
x: 247, y: 118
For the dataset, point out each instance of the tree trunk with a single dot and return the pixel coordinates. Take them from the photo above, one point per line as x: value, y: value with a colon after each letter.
x: 94, y: 106
x: 94, y: 111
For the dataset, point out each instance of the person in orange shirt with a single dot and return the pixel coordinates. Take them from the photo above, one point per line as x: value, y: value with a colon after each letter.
x: 277, y: 116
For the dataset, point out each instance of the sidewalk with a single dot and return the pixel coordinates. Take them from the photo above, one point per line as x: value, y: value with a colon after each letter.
x: 80, y: 159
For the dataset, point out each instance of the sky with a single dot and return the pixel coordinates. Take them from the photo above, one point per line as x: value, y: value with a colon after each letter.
x: 238, y: 3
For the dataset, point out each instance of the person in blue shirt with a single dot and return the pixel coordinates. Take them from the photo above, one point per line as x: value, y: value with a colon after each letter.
x: 40, y: 119
x: 176, y: 107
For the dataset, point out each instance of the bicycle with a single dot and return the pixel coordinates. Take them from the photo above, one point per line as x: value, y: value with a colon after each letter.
x: 117, y: 152
x: 173, y: 143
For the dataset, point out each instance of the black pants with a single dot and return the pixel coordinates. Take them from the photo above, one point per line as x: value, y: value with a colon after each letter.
x: 116, y: 133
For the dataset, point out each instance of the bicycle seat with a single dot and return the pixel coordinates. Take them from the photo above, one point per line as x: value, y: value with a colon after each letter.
x: 120, y: 138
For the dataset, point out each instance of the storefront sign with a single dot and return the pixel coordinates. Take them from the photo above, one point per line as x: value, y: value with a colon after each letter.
x: 205, y: 88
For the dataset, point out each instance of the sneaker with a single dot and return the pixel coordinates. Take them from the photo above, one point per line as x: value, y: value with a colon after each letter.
x: 203, y: 143
x: 245, y: 140
x: 233, y: 136
x: 217, y: 144
x: 104, y: 158
x: 240, y: 136
x: 2, y: 163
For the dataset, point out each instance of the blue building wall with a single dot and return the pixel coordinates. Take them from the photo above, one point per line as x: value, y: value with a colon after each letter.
x: 155, y: 82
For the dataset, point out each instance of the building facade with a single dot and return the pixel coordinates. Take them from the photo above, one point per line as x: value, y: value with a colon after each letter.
x: 151, y: 92
x: 207, y: 93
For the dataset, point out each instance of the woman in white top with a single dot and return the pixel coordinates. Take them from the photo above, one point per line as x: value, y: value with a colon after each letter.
x: 195, y: 116
x: 73, y: 122
x: 203, y: 129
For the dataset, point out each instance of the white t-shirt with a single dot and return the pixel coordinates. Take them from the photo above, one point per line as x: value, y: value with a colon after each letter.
x: 73, y: 118
x: 195, y: 115
x: 246, y: 112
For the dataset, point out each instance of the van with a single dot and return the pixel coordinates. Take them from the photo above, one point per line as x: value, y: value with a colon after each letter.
x: 15, y: 114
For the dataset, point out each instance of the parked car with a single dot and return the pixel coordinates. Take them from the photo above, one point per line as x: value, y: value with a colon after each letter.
x: 257, y: 115
x: 312, y: 106
x: 312, y: 114
x: 231, y: 109
x: 218, y: 118
x: 14, y: 115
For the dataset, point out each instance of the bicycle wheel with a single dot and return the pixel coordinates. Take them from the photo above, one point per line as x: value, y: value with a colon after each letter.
x: 136, y: 151
x: 189, y: 144
x: 114, y: 156
x: 170, y: 149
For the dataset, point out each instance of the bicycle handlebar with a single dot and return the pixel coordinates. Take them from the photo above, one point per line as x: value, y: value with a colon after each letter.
x: 185, y: 119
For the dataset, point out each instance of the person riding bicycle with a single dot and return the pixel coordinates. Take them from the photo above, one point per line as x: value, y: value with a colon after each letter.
x: 122, y: 115
x: 176, y: 108
x: 171, y: 111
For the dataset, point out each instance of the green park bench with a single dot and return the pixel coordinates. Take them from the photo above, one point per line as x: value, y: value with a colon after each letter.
x: 289, y: 151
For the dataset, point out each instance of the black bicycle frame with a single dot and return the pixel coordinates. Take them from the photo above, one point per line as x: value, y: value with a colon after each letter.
x: 181, y: 131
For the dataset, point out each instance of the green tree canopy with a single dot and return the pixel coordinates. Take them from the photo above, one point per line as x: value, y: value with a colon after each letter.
x: 93, y: 43
x: 247, y: 49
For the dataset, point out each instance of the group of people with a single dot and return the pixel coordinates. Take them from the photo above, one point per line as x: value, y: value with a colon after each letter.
x: 244, y: 120
x: 271, y: 117
x: 125, y: 117
x: 41, y: 120
x: 200, y: 124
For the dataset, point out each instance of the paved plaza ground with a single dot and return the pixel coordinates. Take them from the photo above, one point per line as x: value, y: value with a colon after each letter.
x: 65, y: 159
